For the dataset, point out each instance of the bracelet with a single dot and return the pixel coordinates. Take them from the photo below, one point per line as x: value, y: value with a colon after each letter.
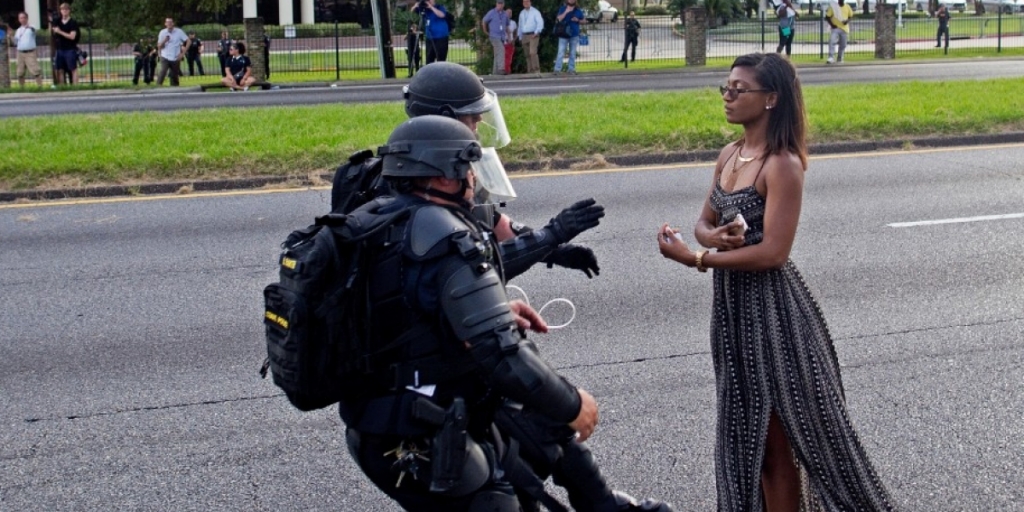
x: 700, y: 263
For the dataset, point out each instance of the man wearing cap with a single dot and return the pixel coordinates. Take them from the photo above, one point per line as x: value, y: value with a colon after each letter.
x: 495, y: 25
x: 531, y: 24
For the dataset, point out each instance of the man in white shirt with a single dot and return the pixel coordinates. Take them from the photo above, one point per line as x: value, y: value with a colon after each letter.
x: 173, y: 43
x: 531, y: 24
x: 25, y: 40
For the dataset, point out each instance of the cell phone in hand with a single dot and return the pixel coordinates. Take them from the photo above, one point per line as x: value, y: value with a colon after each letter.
x: 738, y: 230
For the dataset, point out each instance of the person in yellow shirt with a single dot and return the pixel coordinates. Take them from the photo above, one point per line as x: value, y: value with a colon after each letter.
x: 838, y: 16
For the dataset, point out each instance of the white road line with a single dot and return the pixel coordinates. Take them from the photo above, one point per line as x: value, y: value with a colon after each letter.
x: 981, y: 218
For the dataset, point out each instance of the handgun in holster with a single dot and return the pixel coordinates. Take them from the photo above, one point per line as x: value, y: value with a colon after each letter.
x: 448, y: 449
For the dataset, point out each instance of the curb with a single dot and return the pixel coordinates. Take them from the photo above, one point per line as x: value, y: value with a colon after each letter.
x: 534, y: 166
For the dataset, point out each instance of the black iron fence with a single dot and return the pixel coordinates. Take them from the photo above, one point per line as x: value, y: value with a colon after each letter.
x: 315, y: 53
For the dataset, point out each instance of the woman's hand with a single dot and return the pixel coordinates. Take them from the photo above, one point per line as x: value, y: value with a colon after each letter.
x: 674, y: 248
x: 724, y: 238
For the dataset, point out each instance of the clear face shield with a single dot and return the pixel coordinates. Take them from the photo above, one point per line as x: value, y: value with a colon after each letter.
x: 491, y: 187
x: 485, y: 119
x: 492, y: 183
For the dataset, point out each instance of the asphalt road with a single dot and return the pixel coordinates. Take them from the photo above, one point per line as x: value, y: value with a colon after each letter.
x: 166, y: 99
x: 132, y: 337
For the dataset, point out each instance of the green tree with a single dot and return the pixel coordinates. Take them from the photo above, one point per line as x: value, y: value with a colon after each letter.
x: 126, y: 20
x: 678, y: 6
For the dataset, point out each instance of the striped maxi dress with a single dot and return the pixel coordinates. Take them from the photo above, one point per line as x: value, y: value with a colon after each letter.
x: 772, y: 352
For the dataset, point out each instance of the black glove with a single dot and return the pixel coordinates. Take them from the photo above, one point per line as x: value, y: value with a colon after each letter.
x: 575, y: 220
x: 575, y: 257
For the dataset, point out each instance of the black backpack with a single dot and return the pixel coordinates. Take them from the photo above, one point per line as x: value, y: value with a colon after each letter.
x: 452, y: 21
x: 315, y: 316
x: 357, y: 182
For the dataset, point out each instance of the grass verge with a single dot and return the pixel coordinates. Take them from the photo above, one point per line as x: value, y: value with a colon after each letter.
x: 129, y: 148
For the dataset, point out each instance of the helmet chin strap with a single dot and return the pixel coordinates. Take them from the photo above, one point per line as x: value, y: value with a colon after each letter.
x: 457, y: 198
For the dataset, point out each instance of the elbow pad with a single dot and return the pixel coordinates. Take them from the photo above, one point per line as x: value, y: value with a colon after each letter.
x: 527, y: 379
x: 476, y: 306
x: 526, y: 250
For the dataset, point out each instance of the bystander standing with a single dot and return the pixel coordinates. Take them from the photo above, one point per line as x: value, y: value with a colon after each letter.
x: 632, y: 27
x: 495, y: 27
x: 173, y: 44
x: 28, y: 61
x: 65, y: 32
x: 943, y: 16
x: 510, y: 40
x: 223, y: 50
x: 838, y: 15
x: 194, y: 55
x: 569, y: 15
x: 531, y: 24
x: 787, y: 25
x: 436, y: 31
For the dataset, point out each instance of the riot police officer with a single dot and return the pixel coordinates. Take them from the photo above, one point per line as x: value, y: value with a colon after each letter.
x: 454, y: 91
x: 448, y: 349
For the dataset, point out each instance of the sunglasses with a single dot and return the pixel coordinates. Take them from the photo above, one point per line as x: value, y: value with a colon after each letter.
x: 734, y: 92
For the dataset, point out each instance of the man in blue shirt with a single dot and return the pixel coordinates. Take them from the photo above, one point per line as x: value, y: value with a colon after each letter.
x: 495, y: 26
x: 436, y: 31
x: 572, y: 16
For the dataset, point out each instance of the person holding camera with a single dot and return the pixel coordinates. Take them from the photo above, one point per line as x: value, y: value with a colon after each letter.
x: 787, y: 24
x: 943, y: 16
x: 173, y: 44
x: 25, y: 41
x: 436, y: 31
x: 569, y: 15
x: 65, y: 32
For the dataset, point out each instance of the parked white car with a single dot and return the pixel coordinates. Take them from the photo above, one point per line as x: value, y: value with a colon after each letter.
x: 953, y: 5
x: 1004, y: 6
x: 604, y: 12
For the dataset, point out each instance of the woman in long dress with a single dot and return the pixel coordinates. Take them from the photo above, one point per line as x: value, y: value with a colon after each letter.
x: 784, y: 439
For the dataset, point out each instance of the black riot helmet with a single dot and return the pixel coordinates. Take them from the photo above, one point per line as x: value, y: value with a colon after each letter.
x: 429, y: 146
x: 452, y: 90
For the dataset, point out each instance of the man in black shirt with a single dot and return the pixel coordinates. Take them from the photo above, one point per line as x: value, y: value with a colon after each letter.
x: 223, y: 51
x: 632, y: 36
x: 65, y: 33
x: 194, y: 55
x: 144, y: 53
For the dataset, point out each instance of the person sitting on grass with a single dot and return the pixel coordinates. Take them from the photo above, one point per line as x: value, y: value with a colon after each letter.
x: 238, y: 72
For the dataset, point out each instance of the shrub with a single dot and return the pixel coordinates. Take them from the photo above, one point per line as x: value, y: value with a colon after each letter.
x: 653, y: 10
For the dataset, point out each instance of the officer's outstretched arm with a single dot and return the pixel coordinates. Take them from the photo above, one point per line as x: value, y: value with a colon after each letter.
x: 474, y: 301
x: 532, y: 246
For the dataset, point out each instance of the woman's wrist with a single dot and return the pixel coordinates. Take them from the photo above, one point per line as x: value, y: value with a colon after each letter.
x: 699, y: 262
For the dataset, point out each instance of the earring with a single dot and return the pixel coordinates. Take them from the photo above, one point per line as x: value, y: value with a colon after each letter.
x: 767, y: 107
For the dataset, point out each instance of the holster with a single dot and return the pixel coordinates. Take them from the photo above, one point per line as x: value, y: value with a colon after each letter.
x: 450, y: 448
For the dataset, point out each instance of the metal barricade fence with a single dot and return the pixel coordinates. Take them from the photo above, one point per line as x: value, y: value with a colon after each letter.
x: 316, y: 54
